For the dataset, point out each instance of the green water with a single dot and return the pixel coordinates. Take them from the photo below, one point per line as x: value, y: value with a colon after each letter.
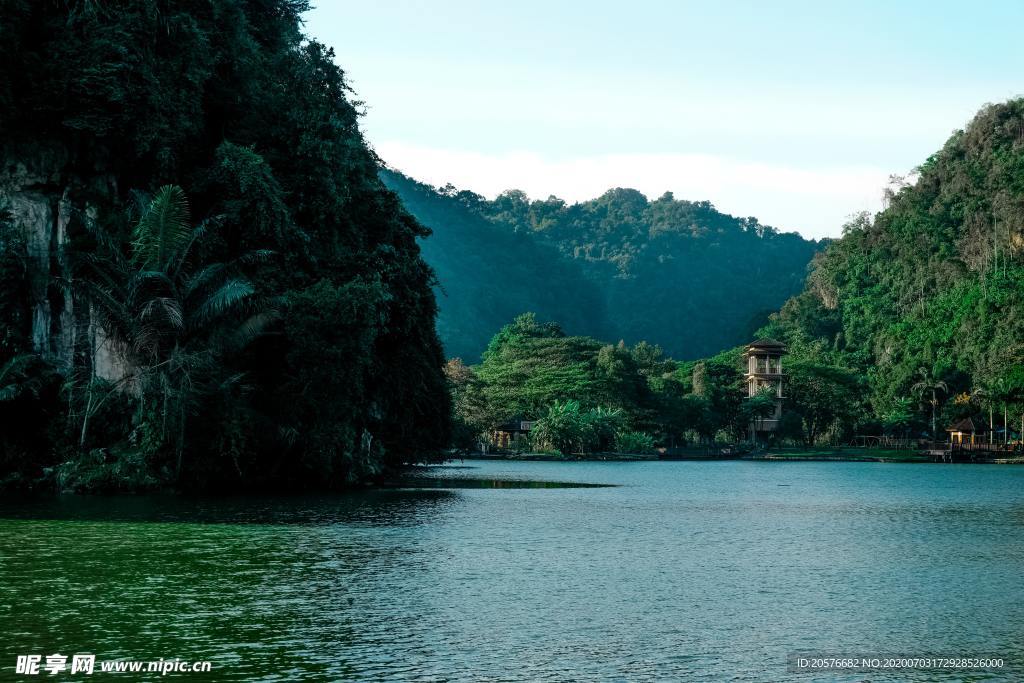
x: 682, y: 571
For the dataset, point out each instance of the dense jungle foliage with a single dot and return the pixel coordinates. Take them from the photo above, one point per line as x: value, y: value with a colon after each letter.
x: 924, y: 302
x: 269, y: 315
x: 488, y: 274
x: 230, y: 295
x: 676, y: 273
x: 912, y: 321
x: 587, y: 395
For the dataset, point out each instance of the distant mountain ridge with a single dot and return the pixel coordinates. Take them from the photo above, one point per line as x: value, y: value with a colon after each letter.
x: 679, y: 274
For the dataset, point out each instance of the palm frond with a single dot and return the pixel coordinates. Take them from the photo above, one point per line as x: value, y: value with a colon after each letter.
x: 231, y: 382
x: 15, y: 367
x: 108, y: 305
x: 197, y: 234
x: 15, y: 378
x: 202, y: 278
x: 107, y: 267
x: 163, y: 231
x: 256, y: 256
x: 148, y: 283
x: 225, y: 298
x: 252, y: 328
x: 163, y: 308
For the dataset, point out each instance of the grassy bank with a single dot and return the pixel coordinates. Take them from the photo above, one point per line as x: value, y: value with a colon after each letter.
x: 842, y: 454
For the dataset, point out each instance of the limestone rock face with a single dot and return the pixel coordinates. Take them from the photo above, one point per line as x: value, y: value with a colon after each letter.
x: 45, y: 200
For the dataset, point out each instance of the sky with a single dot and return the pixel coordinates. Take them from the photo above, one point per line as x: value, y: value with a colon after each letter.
x: 796, y: 113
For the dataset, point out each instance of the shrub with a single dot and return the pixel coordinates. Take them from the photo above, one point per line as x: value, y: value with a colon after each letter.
x: 563, y: 428
x: 105, y: 471
x: 634, y: 442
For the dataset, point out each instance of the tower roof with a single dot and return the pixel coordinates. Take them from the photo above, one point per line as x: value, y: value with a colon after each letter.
x: 766, y: 345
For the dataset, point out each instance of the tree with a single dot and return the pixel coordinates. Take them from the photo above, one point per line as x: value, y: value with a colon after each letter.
x: 603, y: 424
x: 564, y: 427
x: 824, y: 396
x: 928, y: 389
x: 634, y: 442
x: 897, y: 420
x: 933, y: 281
x: 172, y: 318
x: 257, y: 125
x: 757, y: 407
x: 719, y: 381
x: 984, y: 397
x: 16, y: 377
x: 528, y: 365
x: 472, y: 413
x: 674, y: 411
x: 619, y: 266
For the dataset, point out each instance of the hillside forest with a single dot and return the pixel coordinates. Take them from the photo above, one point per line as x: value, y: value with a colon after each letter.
x: 676, y: 273
x: 913, y: 320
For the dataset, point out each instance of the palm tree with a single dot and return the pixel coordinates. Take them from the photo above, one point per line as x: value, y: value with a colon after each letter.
x: 983, y: 396
x: 171, y: 316
x: 15, y: 378
x: 604, y: 424
x: 1001, y: 391
x: 998, y: 390
x: 564, y: 428
x: 929, y: 385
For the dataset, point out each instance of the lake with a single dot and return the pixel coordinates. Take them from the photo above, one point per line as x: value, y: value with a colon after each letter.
x: 681, y: 570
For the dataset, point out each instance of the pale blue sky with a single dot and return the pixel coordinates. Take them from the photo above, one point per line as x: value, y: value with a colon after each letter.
x: 792, y: 112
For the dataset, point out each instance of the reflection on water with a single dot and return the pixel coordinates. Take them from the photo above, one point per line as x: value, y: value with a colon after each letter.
x: 387, y: 507
x: 683, y: 570
x: 432, y: 480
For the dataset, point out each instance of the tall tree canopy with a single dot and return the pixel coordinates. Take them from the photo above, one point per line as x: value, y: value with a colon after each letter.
x: 102, y: 104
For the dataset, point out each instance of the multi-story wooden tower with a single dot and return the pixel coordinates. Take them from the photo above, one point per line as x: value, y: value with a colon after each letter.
x: 764, y: 370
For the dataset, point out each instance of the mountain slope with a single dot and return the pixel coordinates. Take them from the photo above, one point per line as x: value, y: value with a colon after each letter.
x: 488, y: 275
x: 933, y: 286
x: 676, y: 273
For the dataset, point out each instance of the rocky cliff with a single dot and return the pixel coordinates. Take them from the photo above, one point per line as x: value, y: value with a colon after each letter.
x: 49, y: 202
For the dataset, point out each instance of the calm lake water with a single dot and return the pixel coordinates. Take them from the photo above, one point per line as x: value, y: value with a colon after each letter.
x: 684, y: 570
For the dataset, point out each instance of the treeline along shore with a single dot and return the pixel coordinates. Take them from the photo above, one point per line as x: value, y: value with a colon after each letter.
x: 210, y: 282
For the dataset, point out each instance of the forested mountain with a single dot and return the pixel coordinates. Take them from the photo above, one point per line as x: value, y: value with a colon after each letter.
x: 925, y: 300
x: 913, y: 320
x: 204, y: 282
x: 677, y: 273
x: 489, y: 274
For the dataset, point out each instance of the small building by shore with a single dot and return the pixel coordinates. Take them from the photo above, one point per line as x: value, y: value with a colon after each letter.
x: 967, y: 430
x: 512, y: 434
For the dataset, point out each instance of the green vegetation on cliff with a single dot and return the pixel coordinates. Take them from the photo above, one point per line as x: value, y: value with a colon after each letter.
x: 204, y: 282
x: 925, y: 301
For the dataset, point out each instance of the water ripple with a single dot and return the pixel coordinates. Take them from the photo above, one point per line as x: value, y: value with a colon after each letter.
x: 695, y: 571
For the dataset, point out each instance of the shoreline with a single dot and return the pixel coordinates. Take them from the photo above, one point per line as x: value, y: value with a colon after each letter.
x: 910, y: 458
